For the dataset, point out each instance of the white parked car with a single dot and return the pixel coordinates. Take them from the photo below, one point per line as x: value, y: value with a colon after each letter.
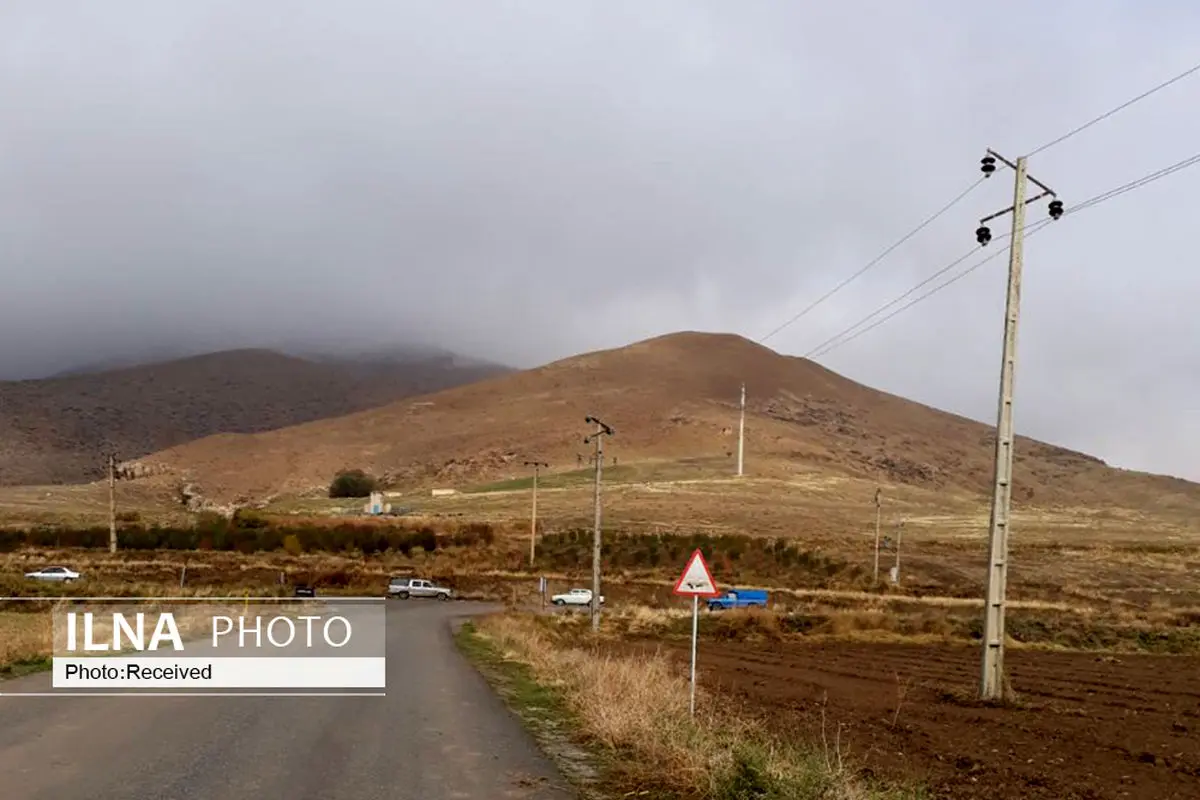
x: 575, y: 597
x: 405, y: 588
x: 53, y: 574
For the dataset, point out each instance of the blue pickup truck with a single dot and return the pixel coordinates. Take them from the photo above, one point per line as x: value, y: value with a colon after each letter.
x: 739, y: 598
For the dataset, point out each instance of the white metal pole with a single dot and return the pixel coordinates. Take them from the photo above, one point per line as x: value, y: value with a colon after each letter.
x: 112, y: 502
x: 695, y: 627
x: 877, y: 491
x: 533, y: 522
x: 742, y: 431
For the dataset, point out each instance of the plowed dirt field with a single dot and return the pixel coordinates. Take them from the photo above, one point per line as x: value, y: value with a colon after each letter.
x: 1083, y: 725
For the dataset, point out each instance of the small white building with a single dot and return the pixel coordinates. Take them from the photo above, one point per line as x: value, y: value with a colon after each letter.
x: 376, y: 505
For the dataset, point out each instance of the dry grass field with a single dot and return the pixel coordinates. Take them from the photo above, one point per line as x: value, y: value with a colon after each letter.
x: 25, y: 639
x: 1059, y: 554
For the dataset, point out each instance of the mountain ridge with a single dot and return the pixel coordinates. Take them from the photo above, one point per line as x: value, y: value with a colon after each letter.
x: 55, y: 430
x: 669, y: 397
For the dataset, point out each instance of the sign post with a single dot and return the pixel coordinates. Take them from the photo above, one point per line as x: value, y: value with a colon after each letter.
x: 695, y: 582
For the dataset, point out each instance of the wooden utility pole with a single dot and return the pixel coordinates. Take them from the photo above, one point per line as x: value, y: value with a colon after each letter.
x: 877, y: 493
x: 991, y: 685
x: 742, y: 431
x: 537, y: 465
x: 597, y: 438
x: 112, y: 502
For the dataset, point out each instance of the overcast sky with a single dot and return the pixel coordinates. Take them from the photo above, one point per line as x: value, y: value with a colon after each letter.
x: 526, y: 180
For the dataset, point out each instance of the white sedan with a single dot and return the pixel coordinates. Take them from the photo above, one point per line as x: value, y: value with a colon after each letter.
x: 575, y: 597
x: 53, y: 574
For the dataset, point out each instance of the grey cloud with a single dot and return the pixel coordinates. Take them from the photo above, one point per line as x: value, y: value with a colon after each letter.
x: 525, y: 180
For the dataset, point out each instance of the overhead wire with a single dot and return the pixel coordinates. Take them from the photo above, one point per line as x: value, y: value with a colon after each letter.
x: 1119, y: 108
x: 1135, y: 184
x: 889, y: 304
x: 1074, y: 131
x: 850, y: 334
x: 1030, y: 230
x: 929, y: 220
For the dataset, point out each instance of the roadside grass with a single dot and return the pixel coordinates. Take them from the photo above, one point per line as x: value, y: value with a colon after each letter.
x: 25, y: 643
x: 542, y: 708
x: 633, y: 712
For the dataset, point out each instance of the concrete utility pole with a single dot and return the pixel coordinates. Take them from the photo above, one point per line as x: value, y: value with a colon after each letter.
x: 597, y: 437
x: 899, y: 537
x: 877, y: 494
x: 112, y: 502
x: 991, y: 685
x: 537, y: 465
x: 742, y: 431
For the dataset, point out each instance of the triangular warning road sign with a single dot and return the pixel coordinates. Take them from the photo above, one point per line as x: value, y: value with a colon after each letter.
x: 696, y: 580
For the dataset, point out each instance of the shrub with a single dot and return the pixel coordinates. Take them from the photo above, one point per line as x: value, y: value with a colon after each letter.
x: 352, y: 483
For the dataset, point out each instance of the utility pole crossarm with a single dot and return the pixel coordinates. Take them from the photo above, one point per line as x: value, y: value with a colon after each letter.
x: 983, y: 234
x: 1046, y: 189
x: 1030, y: 201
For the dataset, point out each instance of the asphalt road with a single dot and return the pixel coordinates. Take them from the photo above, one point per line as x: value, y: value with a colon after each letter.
x: 440, y: 733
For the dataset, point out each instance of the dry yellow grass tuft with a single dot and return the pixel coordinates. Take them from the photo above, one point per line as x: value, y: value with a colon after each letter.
x: 24, y: 637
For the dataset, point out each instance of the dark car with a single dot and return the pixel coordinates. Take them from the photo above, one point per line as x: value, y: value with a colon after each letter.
x: 305, y: 590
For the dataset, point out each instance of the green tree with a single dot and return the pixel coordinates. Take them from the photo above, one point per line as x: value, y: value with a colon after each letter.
x: 352, y: 483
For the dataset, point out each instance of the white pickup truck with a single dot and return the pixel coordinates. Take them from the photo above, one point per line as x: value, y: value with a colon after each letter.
x: 575, y: 597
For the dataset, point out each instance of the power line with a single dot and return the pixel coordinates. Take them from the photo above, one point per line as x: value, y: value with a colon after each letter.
x: 850, y: 334
x: 1030, y: 230
x: 823, y: 346
x: 964, y: 193
x: 814, y: 351
x: 1121, y: 107
x: 1136, y: 184
x: 875, y: 260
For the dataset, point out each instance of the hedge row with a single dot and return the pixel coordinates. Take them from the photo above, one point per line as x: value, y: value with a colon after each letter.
x: 729, y: 553
x: 254, y: 536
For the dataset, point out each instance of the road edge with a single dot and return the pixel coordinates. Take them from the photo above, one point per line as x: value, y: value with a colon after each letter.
x: 541, y: 709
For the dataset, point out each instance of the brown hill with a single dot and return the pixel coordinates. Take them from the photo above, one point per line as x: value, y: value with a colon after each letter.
x: 55, y: 430
x: 672, y: 397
